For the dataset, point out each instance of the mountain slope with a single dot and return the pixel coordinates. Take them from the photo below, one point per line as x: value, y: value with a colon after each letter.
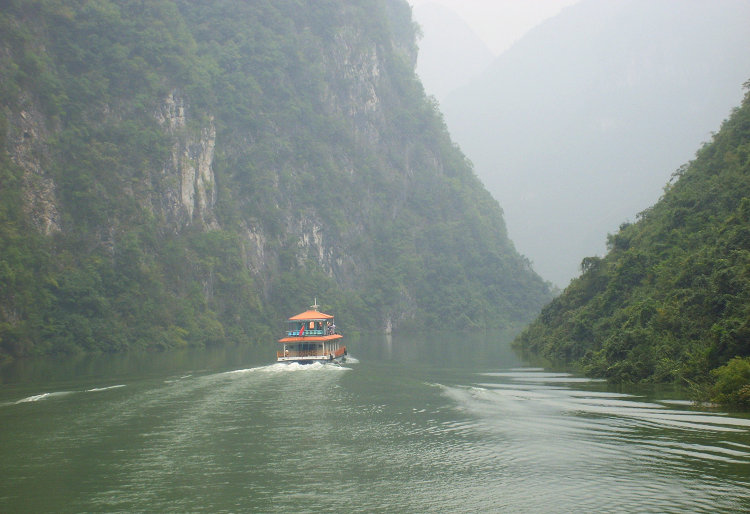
x: 185, y: 173
x: 577, y: 127
x: 671, y: 299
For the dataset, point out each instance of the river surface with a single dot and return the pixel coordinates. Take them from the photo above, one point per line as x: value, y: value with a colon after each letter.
x: 406, y: 425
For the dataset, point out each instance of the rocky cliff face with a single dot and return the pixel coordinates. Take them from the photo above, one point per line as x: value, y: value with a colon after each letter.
x: 27, y: 136
x: 359, y: 71
x: 185, y: 194
x: 189, y: 193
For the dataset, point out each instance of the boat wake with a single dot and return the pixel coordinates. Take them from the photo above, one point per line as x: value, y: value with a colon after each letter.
x: 175, y: 380
x: 100, y: 389
x: 43, y: 396
x: 270, y: 369
x: 58, y: 394
x: 291, y: 367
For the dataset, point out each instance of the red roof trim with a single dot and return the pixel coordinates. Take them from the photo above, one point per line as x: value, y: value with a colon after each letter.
x: 310, y: 316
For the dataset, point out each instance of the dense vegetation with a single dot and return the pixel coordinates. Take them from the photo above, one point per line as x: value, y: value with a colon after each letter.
x: 333, y: 176
x: 670, y: 302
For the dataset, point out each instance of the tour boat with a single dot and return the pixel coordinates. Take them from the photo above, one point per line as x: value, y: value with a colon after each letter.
x: 311, y: 337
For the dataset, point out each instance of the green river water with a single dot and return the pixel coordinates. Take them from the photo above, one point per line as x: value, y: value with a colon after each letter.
x: 407, y: 425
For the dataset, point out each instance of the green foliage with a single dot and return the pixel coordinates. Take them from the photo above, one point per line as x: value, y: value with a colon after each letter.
x: 732, y: 384
x: 671, y: 300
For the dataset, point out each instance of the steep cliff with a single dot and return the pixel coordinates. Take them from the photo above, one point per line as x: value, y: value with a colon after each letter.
x: 177, y: 172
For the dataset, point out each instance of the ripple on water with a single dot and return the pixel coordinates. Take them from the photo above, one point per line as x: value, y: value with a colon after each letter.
x: 574, y: 443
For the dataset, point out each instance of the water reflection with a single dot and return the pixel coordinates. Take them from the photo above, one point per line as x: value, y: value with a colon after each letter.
x: 453, y: 350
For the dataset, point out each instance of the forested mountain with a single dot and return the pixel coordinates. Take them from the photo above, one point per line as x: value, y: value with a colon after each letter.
x: 671, y: 299
x: 180, y: 173
x: 577, y: 127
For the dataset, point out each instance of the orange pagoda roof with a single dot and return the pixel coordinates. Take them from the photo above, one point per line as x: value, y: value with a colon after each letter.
x: 310, y: 316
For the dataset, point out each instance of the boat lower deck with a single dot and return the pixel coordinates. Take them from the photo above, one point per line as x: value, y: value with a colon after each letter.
x: 308, y: 355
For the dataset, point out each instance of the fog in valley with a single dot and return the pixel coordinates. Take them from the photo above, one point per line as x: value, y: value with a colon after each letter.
x: 576, y: 114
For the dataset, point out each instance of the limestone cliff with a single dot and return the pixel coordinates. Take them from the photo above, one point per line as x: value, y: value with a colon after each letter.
x: 192, y: 196
x: 27, y: 135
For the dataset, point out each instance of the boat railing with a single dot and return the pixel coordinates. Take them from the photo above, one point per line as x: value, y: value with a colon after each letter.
x: 295, y: 333
x: 301, y: 353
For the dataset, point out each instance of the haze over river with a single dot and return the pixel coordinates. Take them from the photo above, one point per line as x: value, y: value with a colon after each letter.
x: 406, y: 426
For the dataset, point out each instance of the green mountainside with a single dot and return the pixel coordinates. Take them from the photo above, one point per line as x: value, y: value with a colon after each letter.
x: 670, y: 302
x: 181, y: 173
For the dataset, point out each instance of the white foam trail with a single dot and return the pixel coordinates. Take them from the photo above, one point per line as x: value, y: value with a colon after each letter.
x: 289, y: 367
x: 174, y: 380
x: 43, y: 396
x: 57, y: 394
x: 99, y: 389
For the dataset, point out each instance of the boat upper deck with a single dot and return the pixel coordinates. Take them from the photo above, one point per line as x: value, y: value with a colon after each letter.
x: 311, y: 326
x: 309, y: 339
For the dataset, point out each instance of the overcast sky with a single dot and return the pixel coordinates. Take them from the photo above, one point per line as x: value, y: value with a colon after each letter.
x: 499, y: 23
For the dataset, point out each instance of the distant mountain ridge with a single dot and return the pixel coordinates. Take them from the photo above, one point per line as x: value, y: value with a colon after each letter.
x: 578, y: 126
x: 177, y: 173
